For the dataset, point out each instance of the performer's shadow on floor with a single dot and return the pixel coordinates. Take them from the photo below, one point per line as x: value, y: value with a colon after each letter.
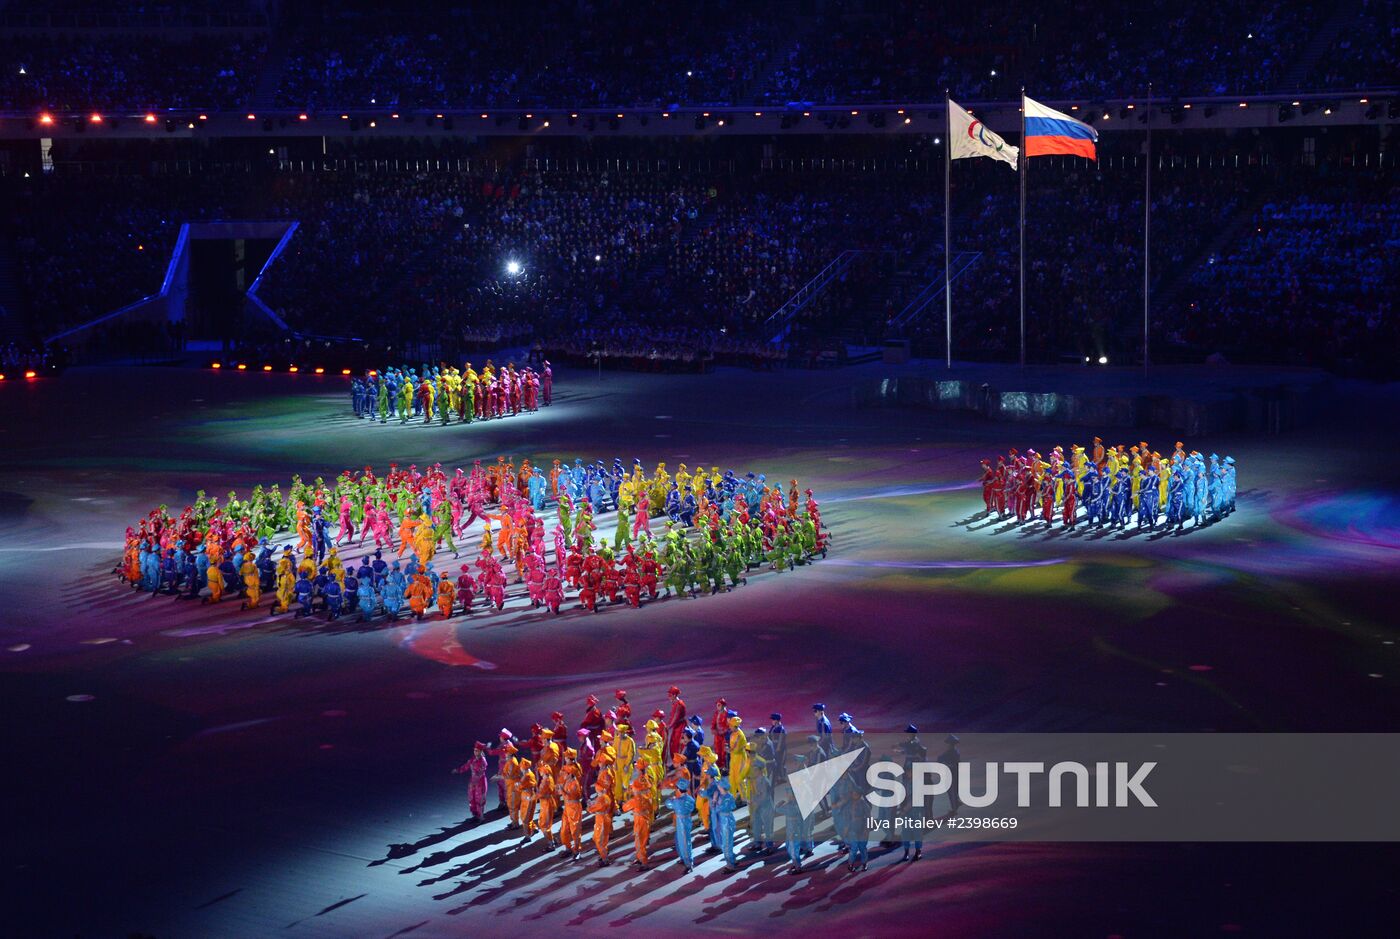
x: 397, y: 852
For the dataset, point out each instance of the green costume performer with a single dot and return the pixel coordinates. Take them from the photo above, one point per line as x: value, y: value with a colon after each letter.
x: 566, y: 519
x: 443, y: 528
x: 623, y: 535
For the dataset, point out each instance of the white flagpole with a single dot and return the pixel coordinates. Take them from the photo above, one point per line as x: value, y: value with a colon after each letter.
x: 947, y: 227
x: 1147, y: 239
x: 1025, y: 161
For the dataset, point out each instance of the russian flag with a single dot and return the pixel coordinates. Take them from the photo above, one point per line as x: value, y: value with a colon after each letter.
x: 1050, y: 132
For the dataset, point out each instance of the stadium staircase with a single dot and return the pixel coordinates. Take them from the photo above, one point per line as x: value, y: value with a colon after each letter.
x: 779, y: 323
x: 803, y: 25
x: 1165, y: 291
x: 931, y: 293
x: 274, y: 63
x: 1344, y: 18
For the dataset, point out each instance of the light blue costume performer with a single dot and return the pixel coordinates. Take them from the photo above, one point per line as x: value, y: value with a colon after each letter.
x: 795, y: 827
x: 1213, y: 478
x: 722, y: 822
x: 538, y: 490
x: 201, y: 570
x: 150, y: 566
x: 858, y: 814
x: 683, y: 804
x: 1201, y: 490
x: 760, y: 806
x: 1229, y: 484
x: 369, y: 599
x: 914, y: 752
x: 394, y: 586
x: 711, y: 792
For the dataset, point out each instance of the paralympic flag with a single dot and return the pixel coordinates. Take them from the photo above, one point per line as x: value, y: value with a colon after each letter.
x: 1050, y: 132
x: 969, y: 137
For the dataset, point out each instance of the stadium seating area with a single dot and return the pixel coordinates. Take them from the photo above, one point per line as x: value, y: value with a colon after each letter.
x: 656, y: 265
x: 618, y: 52
x: 1312, y: 280
x: 1364, y: 53
x: 137, y: 71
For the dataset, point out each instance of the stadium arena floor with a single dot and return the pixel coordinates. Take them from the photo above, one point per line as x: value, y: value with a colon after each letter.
x: 225, y: 774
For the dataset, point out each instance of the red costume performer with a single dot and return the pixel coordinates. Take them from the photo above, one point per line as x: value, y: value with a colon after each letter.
x: 675, y: 722
x: 719, y: 728
x: 1070, y: 502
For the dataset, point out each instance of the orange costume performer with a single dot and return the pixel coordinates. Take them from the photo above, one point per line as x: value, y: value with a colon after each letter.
x: 547, y: 797
x: 446, y: 597
x: 303, y: 528
x: 510, y: 775
x: 702, y: 801
x: 640, y: 805
x: 528, y: 788
x: 601, y: 808
x: 418, y: 594
x: 571, y: 788
x: 407, y: 529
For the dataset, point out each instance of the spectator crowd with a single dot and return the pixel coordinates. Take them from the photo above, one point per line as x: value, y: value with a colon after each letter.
x: 604, y: 53
x: 663, y: 264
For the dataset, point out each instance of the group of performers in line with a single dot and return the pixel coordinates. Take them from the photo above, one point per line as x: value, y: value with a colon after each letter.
x: 677, y: 761
x: 444, y: 392
x: 718, y: 527
x: 1112, y: 485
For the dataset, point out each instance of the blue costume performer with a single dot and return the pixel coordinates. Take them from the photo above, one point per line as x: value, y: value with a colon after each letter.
x: 683, y: 804
x: 722, y: 822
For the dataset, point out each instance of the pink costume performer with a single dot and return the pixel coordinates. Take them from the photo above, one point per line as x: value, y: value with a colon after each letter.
x: 641, y: 522
x: 476, y: 780
x: 347, y: 523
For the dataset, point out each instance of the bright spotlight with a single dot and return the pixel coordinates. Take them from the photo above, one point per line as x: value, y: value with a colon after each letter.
x: 513, y: 268
x: 1103, y: 360
x: 597, y: 257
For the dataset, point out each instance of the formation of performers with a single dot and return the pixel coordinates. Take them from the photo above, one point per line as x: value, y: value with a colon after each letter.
x: 673, y: 763
x: 445, y: 392
x: 718, y: 527
x: 1112, y: 485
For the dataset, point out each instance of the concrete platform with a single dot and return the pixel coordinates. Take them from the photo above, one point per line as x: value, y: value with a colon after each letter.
x: 1187, y: 399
